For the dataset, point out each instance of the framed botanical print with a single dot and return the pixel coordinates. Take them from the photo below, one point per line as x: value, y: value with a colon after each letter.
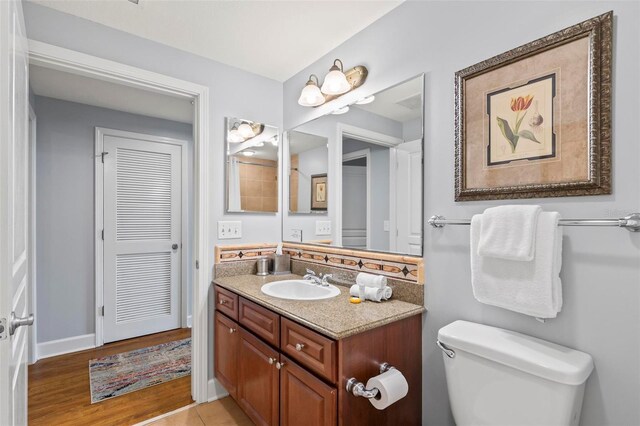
x: 536, y: 121
x: 319, y: 192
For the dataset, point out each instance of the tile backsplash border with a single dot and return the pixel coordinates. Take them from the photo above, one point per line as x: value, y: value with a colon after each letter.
x: 399, y: 267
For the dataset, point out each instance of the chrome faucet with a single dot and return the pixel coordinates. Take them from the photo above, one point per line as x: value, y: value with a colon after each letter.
x: 319, y: 280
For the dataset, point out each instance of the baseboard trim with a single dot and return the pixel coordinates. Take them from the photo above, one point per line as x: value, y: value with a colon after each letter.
x: 65, y: 346
x: 215, y: 390
x: 162, y: 416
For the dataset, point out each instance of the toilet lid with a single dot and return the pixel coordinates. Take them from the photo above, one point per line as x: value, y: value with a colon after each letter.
x: 529, y: 354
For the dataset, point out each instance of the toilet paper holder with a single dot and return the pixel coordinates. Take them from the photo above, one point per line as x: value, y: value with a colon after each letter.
x: 358, y: 388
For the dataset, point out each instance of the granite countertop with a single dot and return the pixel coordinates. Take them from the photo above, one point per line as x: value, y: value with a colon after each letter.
x: 336, y: 317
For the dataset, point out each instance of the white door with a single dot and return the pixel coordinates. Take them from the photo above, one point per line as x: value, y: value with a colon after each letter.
x: 142, y: 236
x: 409, y: 197
x: 354, y: 207
x: 14, y: 208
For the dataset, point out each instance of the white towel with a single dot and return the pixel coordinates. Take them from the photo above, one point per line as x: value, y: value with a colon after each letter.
x: 532, y: 288
x: 371, y: 293
x: 508, y: 232
x: 370, y: 280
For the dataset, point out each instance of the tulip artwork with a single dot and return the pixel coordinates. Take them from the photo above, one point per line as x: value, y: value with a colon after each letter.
x: 519, y: 105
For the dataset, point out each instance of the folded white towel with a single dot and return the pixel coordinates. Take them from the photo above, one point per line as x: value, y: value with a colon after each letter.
x: 370, y: 280
x: 532, y: 288
x: 370, y: 293
x: 508, y: 232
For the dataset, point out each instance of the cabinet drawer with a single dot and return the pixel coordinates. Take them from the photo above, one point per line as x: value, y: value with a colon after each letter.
x: 309, y: 348
x: 226, y: 302
x: 261, y: 321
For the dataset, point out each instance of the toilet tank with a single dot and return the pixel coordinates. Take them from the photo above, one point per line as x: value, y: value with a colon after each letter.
x: 500, y: 377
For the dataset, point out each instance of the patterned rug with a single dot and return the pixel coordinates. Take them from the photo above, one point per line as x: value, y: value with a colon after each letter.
x: 119, y: 374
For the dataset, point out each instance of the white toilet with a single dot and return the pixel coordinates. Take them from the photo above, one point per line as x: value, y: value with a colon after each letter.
x: 500, y: 377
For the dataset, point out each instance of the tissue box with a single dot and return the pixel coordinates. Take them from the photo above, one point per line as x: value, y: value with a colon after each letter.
x: 280, y: 264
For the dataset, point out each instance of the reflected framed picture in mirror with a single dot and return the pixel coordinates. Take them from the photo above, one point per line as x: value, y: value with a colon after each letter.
x: 319, y: 192
x: 251, y: 167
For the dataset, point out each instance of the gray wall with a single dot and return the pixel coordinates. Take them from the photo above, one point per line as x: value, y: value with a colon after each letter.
x: 230, y: 88
x: 312, y: 162
x: 65, y: 149
x: 601, y: 267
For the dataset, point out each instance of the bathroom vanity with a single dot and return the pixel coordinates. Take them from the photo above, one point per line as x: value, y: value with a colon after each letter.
x: 288, y: 361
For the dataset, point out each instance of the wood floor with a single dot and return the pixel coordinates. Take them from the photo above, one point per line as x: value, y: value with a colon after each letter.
x: 59, y: 391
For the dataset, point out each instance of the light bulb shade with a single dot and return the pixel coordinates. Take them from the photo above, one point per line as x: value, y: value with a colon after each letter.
x: 234, y: 136
x: 311, y: 95
x: 246, y: 131
x: 335, y: 83
x: 341, y: 111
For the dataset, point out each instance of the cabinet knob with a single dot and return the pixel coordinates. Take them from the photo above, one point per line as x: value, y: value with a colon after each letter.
x: 222, y: 302
x: 232, y: 330
x: 299, y: 346
x: 279, y: 365
x: 272, y: 360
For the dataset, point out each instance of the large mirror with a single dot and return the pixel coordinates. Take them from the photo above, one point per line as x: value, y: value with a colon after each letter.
x: 251, y: 167
x: 355, y: 175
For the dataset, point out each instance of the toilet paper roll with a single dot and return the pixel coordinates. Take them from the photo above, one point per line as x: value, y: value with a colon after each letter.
x: 392, y: 386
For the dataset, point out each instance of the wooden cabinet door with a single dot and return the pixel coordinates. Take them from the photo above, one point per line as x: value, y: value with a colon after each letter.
x: 258, y: 380
x: 305, y: 399
x: 226, y: 342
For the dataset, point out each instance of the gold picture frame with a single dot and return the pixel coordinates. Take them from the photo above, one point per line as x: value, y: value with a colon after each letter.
x: 319, y: 196
x: 535, y: 121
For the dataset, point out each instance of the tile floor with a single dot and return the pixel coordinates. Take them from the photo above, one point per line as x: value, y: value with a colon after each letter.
x: 223, y: 412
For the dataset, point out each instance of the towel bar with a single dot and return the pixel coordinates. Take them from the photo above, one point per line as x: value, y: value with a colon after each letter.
x: 631, y: 222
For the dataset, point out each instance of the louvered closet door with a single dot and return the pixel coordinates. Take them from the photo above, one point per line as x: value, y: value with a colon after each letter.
x: 142, y: 237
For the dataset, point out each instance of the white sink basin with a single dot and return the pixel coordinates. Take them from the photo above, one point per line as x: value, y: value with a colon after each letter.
x: 299, y: 290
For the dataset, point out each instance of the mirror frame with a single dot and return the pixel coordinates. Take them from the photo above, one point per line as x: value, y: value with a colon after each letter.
x: 285, y: 151
x: 226, y: 168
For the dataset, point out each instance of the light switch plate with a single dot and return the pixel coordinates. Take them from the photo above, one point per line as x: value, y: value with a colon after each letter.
x: 229, y: 230
x: 386, y: 225
x: 323, y: 227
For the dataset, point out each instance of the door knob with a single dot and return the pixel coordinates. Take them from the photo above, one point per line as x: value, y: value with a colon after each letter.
x: 174, y: 246
x: 15, y: 322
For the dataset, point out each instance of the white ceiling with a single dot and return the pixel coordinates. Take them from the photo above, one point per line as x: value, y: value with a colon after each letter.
x: 275, y: 39
x: 74, y: 88
x: 302, y: 142
x: 400, y: 103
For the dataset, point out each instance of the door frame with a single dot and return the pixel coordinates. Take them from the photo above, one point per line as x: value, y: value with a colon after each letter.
x: 100, y: 133
x: 335, y: 157
x: 363, y: 153
x: 33, y: 334
x: 50, y: 56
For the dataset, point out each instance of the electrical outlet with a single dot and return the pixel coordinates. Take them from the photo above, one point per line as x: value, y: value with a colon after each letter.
x: 323, y: 227
x: 228, y: 230
x: 386, y: 225
x: 296, y: 235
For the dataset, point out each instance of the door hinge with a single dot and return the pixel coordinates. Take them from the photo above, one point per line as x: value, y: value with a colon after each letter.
x: 102, y: 233
x: 197, y: 264
x: 3, y: 328
x: 102, y: 154
x: 102, y: 310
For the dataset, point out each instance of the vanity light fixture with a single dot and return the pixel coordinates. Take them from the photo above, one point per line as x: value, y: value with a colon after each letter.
x: 311, y: 95
x: 336, y: 83
x: 341, y: 111
x: 246, y: 131
x: 366, y: 100
x: 234, y: 134
x: 274, y: 140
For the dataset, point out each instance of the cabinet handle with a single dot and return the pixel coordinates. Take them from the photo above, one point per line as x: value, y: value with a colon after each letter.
x: 272, y: 360
x: 279, y: 365
x: 232, y: 330
x: 299, y: 347
x: 223, y: 302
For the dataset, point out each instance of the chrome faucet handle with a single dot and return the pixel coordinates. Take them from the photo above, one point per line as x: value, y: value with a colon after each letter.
x: 326, y: 278
x: 310, y: 272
